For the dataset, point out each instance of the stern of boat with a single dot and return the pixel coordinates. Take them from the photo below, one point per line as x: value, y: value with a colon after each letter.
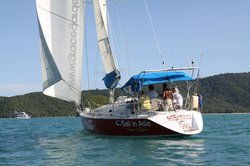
x: 185, y: 122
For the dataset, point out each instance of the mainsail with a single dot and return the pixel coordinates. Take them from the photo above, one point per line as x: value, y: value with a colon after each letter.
x: 112, y: 76
x: 61, y: 34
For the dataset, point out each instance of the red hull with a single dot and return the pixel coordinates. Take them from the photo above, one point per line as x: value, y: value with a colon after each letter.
x: 125, y: 127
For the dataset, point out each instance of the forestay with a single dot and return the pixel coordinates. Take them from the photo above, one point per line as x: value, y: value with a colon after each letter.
x: 112, y: 76
x: 61, y: 33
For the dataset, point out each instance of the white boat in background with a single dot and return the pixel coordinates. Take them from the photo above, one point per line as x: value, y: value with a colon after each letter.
x: 61, y: 25
x: 20, y: 115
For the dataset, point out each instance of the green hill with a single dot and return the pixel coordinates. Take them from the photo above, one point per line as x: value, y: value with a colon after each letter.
x: 224, y: 93
x: 37, y: 105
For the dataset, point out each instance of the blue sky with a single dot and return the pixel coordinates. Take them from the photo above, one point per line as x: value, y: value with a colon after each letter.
x: 220, y: 29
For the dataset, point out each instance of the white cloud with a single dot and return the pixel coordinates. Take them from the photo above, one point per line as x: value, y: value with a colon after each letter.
x: 12, y: 89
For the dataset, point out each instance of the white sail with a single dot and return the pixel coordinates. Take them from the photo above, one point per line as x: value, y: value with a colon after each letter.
x: 112, y: 74
x: 61, y: 33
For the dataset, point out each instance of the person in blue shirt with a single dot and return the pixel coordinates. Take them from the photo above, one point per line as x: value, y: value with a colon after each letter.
x: 152, y: 93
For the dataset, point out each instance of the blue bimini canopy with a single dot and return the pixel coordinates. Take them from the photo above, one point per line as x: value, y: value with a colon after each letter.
x: 148, y: 78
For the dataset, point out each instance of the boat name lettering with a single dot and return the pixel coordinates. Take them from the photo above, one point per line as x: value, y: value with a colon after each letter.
x: 185, y: 127
x: 73, y: 26
x: 178, y: 117
x: 128, y: 123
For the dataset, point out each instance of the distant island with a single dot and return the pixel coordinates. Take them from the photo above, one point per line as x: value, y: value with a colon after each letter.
x: 224, y: 93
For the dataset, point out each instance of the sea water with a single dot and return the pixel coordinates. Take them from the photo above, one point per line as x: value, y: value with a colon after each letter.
x: 225, y: 140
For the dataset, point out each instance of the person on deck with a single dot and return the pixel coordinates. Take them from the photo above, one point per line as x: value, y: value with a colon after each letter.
x: 167, y: 98
x: 177, y: 98
x: 200, y: 102
x: 145, y: 101
x: 153, y: 95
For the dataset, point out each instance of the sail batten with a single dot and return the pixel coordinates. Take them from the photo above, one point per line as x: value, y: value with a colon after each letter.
x: 61, y: 35
x: 112, y: 76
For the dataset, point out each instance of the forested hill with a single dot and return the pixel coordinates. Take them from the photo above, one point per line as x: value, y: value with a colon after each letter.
x: 224, y: 93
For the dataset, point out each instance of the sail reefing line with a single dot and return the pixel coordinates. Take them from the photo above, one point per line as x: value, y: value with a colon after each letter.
x: 61, y: 33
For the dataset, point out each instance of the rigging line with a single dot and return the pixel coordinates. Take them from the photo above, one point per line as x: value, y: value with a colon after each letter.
x: 98, y: 83
x: 97, y: 61
x: 94, y: 74
x: 59, y: 16
x: 71, y: 87
x: 115, y: 43
x: 121, y: 39
x: 153, y: 29
x: 112, y: 40
x: 86, y: 52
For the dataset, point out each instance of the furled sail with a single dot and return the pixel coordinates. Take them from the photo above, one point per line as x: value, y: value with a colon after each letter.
x: 112, y: 76
x: 61, y: 33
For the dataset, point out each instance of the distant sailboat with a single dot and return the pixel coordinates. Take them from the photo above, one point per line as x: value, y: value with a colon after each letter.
x: 61, y: 25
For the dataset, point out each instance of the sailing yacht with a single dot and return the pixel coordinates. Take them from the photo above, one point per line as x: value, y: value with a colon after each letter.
x: 61, y: 25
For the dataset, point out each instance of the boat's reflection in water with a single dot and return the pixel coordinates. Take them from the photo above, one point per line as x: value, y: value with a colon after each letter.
x: 168, y: 150
x: 84, y: 148
x: 186, y: 150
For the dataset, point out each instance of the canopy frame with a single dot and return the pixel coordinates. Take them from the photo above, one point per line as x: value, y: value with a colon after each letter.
x: 145, y: 78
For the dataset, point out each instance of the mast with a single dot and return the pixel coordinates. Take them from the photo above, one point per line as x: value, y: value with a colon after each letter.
x: 112, y: 76
x: 61, y: 28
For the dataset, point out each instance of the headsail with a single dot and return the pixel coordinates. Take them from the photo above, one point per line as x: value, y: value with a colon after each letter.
x: 112, y: 74
x: 61, y: 33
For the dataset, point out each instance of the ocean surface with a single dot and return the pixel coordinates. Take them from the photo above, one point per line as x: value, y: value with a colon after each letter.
x: 62, y: 141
